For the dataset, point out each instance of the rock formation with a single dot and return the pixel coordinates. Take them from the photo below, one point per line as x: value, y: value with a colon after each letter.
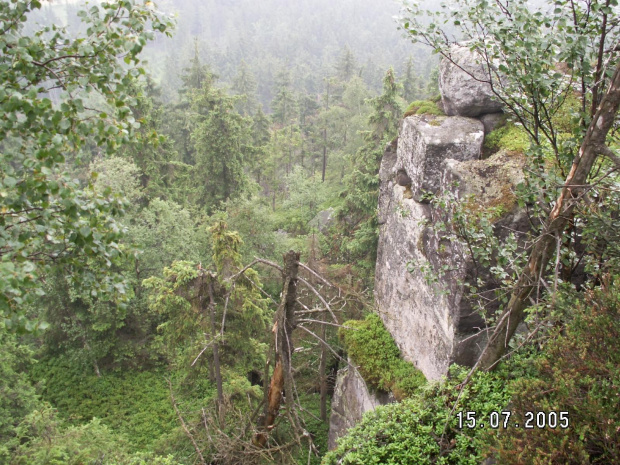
x: 426, y: 141
x: 432, y: 323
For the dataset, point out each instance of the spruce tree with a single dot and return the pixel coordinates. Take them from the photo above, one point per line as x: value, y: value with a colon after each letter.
x: 410, y: 82
x: 358, y: 214
x: 346, y: 67
x: 222, y: 141
x: 244, y: 85
x: 283, y: 105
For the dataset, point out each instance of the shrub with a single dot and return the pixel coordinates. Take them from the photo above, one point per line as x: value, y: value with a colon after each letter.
x: 46, y: 440
x: 17, y: 396
x: 579, y: 372
x: 421, y: 429
x: 135, y: 404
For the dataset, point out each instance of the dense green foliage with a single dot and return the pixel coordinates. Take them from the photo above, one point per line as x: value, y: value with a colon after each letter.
x: 578, y: 373
x: 17, y: 395
x: 422, y: 429
x: 47, y: 218
x: 136, y: 404
x: 372, y: 348
x: 46, y: 440
x: 358, y: 228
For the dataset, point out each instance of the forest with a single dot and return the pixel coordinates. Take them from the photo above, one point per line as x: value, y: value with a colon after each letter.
x: 194, y: 245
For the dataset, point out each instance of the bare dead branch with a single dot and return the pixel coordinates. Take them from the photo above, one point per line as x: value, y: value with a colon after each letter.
x: 316, y: 275
x: 318, y: 294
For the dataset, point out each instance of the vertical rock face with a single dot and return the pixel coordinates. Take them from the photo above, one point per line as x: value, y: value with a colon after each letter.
x: 420, y: 273
x: 351, y: 400
x: 425, y: 320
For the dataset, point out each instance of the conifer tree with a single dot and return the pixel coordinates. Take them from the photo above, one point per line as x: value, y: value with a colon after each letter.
x: 244, y: 85
x: 222, y: 141
x: 358, y: 215
x: 261, y: 136
x: 196, y: 75
x: 217, y: 308
x: 346, y: 67
x: 283, y: 105
x: 410, y: 82
x: 180, y: 124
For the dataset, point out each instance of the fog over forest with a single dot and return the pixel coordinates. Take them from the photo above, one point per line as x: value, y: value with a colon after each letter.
x: 256, y: 232
x: 305, y: 38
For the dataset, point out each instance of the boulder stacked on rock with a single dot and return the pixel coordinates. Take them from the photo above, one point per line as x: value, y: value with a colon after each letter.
x: 464, y: 83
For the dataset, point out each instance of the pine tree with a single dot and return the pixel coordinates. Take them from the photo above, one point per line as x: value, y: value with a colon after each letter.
x: 244, y: 85
x: 359, y: 243
x: 283, y: 105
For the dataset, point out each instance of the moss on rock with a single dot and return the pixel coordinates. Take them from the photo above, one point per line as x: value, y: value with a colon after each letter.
x: 423, y: 107
x: 371, y: 347
x: 510, y: 137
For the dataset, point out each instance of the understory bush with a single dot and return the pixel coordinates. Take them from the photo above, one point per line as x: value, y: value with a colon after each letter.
x: 575, y: 368
x: 46, y: 440
x: 422, y: 429
x: 578, y: 372
x: 136, y: 405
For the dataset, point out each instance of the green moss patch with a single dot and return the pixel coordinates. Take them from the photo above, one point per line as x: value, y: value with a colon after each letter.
x: 371, y: 347
x: 423, y: 107
x: 510, y: 137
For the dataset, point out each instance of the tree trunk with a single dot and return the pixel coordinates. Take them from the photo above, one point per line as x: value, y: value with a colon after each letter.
x: 324, y: 154
x: 323, y: 376
x: 216, y: 356
x: 281, y: 379
x: 574, y: 187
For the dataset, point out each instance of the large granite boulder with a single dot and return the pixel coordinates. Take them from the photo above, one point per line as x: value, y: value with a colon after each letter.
x: 350, y: 401
x: 425, y: 141
x: 464, y: 84
x: 420, y: 273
